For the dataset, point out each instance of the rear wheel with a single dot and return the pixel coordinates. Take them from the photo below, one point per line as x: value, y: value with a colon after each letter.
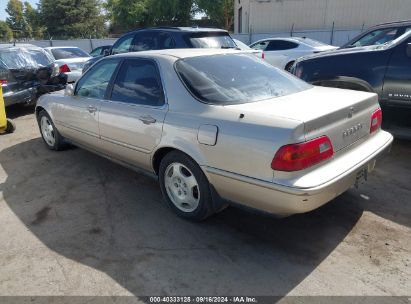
x: 185, y: 187
x: 11, y: 127
x: 49, y: 133
x: 289, y: 66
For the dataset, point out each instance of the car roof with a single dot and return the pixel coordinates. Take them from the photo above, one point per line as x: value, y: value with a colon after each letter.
x: 61, y: 47
x: 192, y: 29
x: 394, y: 23
x: 181, y: 53
x: 17, y: 45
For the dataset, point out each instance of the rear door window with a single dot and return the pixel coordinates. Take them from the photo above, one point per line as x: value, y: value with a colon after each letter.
x: 281, y: 45
x: 260, y: 45
x: 138, y: 82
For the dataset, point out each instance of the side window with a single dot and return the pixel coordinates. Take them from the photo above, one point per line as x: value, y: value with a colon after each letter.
x: 96, y: 51
x: 145, y: 42
x: 379, y: 36
x: 260, y: 45
x: 138, y: 82
x: 165, y: 41
x: 94, y: 83
x: 123, y: 45
x: 281, y: 45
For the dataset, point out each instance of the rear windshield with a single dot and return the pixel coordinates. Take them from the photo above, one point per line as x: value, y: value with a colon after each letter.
x: 64, y: 53
x: 235, y: 78
x: 17, y: 58
x: 211, y: 40
x: 312, y: 42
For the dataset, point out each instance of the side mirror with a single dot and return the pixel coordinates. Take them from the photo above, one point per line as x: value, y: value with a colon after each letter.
x: 106, y: 52
x: 409, y: 49
x: 69, y: 91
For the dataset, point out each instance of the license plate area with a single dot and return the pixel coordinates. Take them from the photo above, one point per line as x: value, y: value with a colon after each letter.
x: 361, y: 177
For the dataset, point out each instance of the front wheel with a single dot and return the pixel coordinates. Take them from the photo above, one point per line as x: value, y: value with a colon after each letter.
x: 49, y: 133
x: 185, y: 187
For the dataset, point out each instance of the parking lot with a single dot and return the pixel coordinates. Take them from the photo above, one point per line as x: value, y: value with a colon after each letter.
x: 74, y: 223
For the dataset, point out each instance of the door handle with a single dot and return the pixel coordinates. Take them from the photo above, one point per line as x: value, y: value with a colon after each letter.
x: 147, y: 120
x: 91, y: 109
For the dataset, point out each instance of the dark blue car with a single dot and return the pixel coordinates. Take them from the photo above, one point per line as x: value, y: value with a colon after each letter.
x: 168, y: 38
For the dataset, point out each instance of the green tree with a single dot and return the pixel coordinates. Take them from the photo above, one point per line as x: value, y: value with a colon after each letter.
x: 172, y: 12
x: 72, y: 18
x: 16, y: 20
x: 6, y: 33
x: 220, y: 11
x: 129, y: 14
x: 33, y: 21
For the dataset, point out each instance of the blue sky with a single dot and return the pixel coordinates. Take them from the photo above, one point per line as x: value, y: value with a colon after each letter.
x: 3, y: 5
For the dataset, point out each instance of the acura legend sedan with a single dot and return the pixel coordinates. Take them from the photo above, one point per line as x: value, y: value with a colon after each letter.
x: 218, y: 127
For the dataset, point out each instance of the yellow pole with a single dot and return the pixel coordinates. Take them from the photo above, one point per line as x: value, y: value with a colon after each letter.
x: 3, y: 119
x: 6, y: 125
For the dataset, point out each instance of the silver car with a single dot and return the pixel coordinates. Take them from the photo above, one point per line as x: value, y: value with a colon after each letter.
x: 282, y: 52
x: 70, y: 60
x: 219, y: 127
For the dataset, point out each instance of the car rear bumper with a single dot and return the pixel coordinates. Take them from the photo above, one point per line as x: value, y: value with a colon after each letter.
x: 287, y: 200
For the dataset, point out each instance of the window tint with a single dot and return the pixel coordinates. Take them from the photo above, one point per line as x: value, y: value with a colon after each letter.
x: 281, y: 45
x: 244, y: 78
x: 215, y: 40
x: 152, y: 41
x: 377, y: 37
x: 96, y: 51
x: 94, y: 83
x: 123, y: 45
x: 260, y: 45
x: 64, y: 53
x: 138, y: 82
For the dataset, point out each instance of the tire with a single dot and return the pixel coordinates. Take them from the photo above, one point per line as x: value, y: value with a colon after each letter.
x: 185, y: 187
x: 11, y: 127
x: 51, y: 136
x: 289, y: 66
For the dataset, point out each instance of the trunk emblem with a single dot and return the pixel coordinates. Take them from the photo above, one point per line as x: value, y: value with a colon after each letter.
x: 353, y: 130
x: 351, y: 112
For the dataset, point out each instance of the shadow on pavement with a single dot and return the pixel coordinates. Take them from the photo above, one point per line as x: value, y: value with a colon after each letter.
x: 19, y: 110
x: 112, y: 219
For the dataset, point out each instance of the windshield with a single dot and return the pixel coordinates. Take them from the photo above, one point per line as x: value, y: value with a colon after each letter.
x: 211, y: 40
x: 65, y: 53
x: 243, y: 79
x: 18, y: 58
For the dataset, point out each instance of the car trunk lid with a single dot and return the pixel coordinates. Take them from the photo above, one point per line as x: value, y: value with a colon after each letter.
x: 342, y: 115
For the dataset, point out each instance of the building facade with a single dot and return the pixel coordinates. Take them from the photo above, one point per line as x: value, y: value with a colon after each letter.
x: 268, y: 16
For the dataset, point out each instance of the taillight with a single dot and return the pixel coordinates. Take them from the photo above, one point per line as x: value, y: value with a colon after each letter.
x: 64, y: 68
x: 3, y: 81
x: 300, y: 156
x: 262, y: 55
x: 376, y: 120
